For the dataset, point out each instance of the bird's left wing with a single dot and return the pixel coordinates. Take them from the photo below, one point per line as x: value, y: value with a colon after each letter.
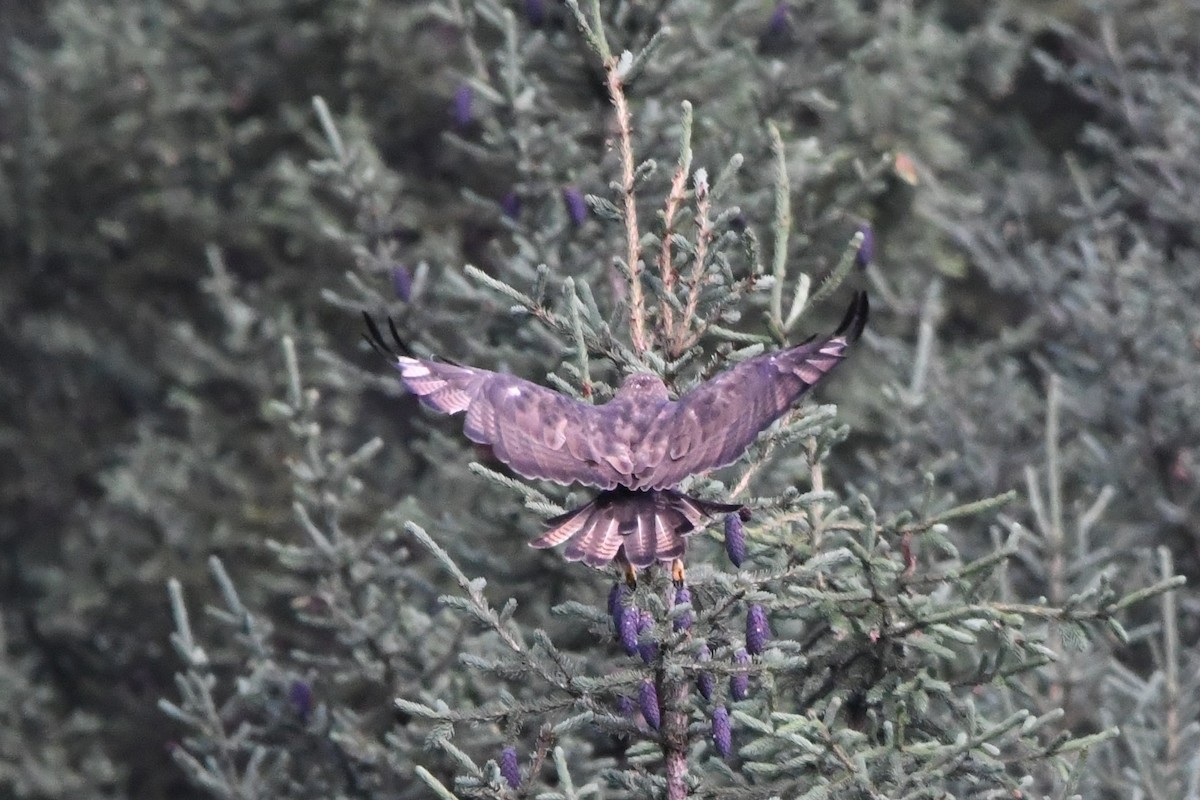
x: 712, y: 425
x: 536, y: 431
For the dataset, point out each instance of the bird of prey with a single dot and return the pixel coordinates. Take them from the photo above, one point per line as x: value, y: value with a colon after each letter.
x: 635, y: 448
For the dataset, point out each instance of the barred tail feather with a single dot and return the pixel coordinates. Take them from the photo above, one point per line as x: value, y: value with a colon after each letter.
x: 637, y: 534
x: 564, y: 527
x: 597, y: 543
x: 648, y: 526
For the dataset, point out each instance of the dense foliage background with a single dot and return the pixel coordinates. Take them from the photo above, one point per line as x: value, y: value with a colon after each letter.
x: 187, y: 240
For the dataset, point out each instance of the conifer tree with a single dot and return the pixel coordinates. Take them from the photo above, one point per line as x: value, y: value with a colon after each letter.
x: 838, y: 652
x: 187, y: 242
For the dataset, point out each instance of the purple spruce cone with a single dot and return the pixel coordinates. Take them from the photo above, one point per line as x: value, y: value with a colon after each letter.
x: 721, y: 732
x: 510, y: 204
x: 576, y: 205
x: 758, y: 632
x: 778, y: 33
x: 705, y: 682
x: 739, y: 682
x: 510, y: 768
x: 464, y: 100
x: 648, y: 702
x: 684, y: 621
x: 778, y: 23
x: 647, y: 647
x: 616, y: 604
x: 401, y: 282
x: 628, y: 629
x: 735, y: 539
x: 301, y: 695
x: 866, y: 250
x: 535, y: 12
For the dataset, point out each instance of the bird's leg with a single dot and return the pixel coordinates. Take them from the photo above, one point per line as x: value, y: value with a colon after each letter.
x: 628, y: 569
x: 677, y: 572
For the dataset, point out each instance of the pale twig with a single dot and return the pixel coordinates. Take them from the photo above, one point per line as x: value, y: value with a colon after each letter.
x: 695, y: 280
x: 782, y: 227
x: 666, y: 269
x: 437, y: 786
x: 1090, y: 517
x: 817, y: 475
x: 637, y: 301
x: 1054, y: 477
x: 931, y: 312
x: 614, y: 72
x: 1171, y: 665
x: 1053, y: 532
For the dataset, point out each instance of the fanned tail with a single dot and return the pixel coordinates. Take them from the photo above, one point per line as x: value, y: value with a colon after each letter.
x: 648, y: 526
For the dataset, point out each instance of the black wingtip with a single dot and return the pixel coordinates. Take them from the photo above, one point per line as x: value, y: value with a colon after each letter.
x: 856, y: 318
x: 374, y: 337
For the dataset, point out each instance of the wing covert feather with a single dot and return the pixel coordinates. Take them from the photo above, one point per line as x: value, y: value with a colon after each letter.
x: 712, y: 425
x: 536, y: 431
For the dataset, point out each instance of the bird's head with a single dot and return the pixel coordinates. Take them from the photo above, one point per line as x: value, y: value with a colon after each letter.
x: 645, y: 387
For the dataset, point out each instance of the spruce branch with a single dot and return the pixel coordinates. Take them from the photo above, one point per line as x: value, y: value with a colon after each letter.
x: 1170, y: 666
x: 675, y: 198
x: 686, y: 337
x: 437, y: 786
x: 477, y: 605
x: 581, y: 349
x: 593, y: 31
x: 781, y: 229
x: 332, y: 135
x: 598, y: 337
x: 972, y: 509
x: 463, y: 16
x: 829, y: 284
x: 616, y: 73
x: 530, y: 494
x: 637, y: 301
x: 931, y: 313
x: 237, y: 767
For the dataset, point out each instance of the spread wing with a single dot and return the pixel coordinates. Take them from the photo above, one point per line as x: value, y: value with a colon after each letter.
x: 536, y: 431
x: 712, y: 425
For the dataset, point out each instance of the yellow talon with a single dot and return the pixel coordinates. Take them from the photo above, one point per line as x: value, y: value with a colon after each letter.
x: 629, y: 570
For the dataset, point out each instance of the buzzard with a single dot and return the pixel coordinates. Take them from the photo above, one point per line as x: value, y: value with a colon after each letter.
x: 635, y: 448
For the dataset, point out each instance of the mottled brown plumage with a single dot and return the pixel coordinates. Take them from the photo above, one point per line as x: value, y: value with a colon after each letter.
x: 635, y: 447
